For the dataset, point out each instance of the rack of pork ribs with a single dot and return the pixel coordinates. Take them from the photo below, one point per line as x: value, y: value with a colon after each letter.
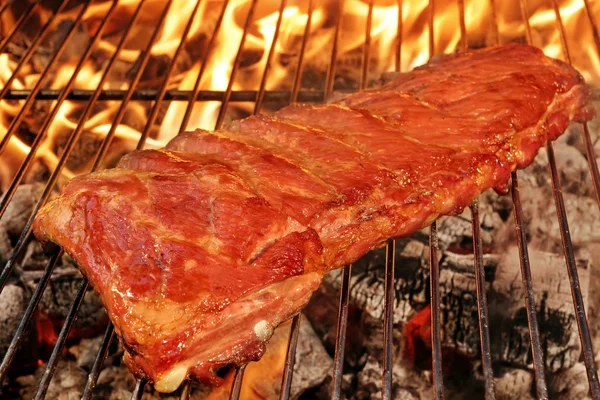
x: 200, y: 249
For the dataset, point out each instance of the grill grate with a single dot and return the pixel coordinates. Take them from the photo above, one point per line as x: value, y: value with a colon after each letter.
x: 163, y: 94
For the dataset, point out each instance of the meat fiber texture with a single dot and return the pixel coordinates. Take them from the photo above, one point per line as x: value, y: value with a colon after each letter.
x: 199, y: 250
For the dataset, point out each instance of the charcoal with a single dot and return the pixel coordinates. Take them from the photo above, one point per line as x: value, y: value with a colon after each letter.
x: 14, y: 300
x: 410, y: 284
x: 59, y: 295
x: 569, y: 384
x: 67, y: 382
x: 514, y: 384
x: 19, y: 208
x: 370, y: 382
x: 313, y: 365
x: 115, y: 383
x: 459, y: 311
x: 85, y: 352
x: 556, y: 315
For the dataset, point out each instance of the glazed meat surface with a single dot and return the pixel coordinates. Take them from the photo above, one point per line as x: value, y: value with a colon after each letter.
x: 199, y: 250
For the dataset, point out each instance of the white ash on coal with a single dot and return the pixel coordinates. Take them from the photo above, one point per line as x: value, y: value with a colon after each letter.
x: 555, y: 311
x: 14, y: 300
x: 19, y: 209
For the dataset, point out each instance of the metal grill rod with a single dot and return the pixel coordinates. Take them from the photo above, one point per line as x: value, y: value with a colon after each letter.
x: 163, y: 88
x: 263, y: 82
x: 138, y: 391
x: 398, y: 56
x: 92, y: 379
x: 484, y: 327
x: 434, y: 272
x: 295, y: 95
x: 582, y: 323
x: 388, y: 319
x: 290, y: 359
x: 584, y: 329
x: 237, y: 382
x: 534, y: 330
x: 278, y: 96
x: 340, y: 341
x: 204, y: 62
x: 434, y: 287
x: 539, y: 366
x: 330, y: 77
x: 367, y: 49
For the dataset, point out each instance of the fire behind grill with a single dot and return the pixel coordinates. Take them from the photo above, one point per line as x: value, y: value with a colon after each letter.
x: 163, y: 94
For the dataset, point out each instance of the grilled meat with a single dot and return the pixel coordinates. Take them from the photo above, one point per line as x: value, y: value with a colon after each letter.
x: 200, y: 249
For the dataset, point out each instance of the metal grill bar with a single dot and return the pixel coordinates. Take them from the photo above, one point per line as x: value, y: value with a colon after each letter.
x: 330, y: 77
x: 588, y: 10
x: 138, y: 391
x: 99, y: 360
x: 290, y: 359
x: 434, y: 287
x: 204, y: 62
x: 388, y: 319
x: 539, y: 365
x: 484, y: 328
x: 295, y: 96
x: 434, y: 272
x: 592, y: 163
x: 398, y: 57
x: 584, y: 330
x: 168, y: 73
x: 277, y: 96
x: 237, y: 382
x: 236, y: 65
x: 463, y: 27
x: 367, y: 49
x: 340, y: 341
x: 534, y: 331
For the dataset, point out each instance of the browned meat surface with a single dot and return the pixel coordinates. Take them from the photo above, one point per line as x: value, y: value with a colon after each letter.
x: 200, y: 249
